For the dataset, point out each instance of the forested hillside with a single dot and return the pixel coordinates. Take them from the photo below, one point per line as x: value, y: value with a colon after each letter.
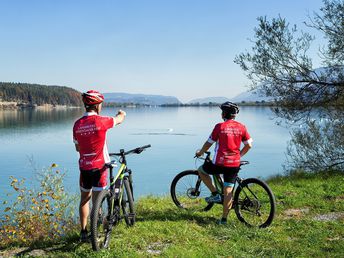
x: 24, y: 94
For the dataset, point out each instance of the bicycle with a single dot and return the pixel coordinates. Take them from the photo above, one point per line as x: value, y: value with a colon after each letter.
x: 253, y: 202
x: 114, y: 203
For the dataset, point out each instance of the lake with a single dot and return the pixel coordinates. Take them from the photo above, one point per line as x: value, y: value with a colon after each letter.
x: 37, y: 138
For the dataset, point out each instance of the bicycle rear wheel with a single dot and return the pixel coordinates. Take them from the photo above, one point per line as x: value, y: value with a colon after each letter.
x: 100, y: 226
x: 188, y: 191
x: 128, y: 203
x: 254, y: 203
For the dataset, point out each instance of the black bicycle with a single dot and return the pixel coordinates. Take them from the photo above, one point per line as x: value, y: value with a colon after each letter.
x: 254, y: 202
x: 114, y: 204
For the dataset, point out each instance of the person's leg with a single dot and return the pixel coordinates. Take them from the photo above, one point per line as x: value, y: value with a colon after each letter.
x: 228, y: 200
x: 84, y: 208
x: 86, y: 193
x: 204, y: 172
x: 228, y: 185
x: 207, y: 181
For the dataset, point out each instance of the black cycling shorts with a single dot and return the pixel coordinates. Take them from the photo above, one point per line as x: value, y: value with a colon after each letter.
x: 95, y: 179
x: 229, y: 173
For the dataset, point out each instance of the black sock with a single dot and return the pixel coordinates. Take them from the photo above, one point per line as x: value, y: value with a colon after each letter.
x: 224, y: 219
x: 214, y: 193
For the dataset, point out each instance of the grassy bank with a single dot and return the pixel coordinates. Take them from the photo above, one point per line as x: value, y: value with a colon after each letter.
x: 309, y: 222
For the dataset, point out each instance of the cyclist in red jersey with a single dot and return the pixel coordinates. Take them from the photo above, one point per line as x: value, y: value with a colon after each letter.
x: 89, y: 135
x: 228, y: 136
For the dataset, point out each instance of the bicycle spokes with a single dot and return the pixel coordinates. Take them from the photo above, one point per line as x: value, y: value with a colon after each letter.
x: 188, y: 191
x: 255, y: 204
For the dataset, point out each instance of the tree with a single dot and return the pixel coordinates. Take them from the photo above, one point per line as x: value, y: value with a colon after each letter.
x: 279, y: 66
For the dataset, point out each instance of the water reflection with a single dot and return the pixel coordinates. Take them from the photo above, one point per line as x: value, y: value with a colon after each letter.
x: 16, y: 119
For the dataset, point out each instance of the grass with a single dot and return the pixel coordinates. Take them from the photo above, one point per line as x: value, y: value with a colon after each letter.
x: 298, y: 229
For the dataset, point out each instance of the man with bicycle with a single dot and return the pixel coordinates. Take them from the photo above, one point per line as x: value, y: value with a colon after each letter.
x: 89, y: 135
x: 228, y: 136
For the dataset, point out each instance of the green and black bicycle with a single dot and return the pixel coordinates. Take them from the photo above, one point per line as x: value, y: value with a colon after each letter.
x: 254, y: 202
x: 114, y: 204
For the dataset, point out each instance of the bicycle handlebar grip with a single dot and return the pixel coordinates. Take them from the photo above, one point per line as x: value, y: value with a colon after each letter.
x: 146, y: 146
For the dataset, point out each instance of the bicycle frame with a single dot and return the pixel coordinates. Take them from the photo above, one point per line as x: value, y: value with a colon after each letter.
x: 117, y: 195
x: 218, y: 182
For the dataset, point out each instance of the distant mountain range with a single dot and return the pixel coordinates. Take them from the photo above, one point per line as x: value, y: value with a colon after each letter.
x: 143, y: 99
x: 208, y: 100
x: 248, y: 97
x: 157, y: 100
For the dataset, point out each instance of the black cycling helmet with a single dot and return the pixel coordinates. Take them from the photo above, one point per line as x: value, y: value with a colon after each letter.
x: 230, y: 107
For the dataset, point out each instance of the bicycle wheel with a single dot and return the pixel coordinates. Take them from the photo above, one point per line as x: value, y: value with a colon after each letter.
x: 254, y: 203
x: 188, y: 191
x: 100, y: 216
x: 128, y: 203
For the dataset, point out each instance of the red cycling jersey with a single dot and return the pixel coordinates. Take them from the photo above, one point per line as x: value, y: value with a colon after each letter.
x: 89, y: 132
x: 228, y: 137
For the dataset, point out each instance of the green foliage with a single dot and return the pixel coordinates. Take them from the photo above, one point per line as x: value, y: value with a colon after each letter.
x: 42, y: 214
x: 317, y: 145
x: 331, y: 23
x: 279, y: 66
x: 34, y: 94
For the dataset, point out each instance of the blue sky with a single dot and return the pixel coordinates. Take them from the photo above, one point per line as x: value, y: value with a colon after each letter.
x: 182, y: 48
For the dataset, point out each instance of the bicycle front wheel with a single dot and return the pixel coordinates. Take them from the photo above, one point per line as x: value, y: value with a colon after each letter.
x: 254, y: 203
x: 100, y: 216
x: 128, y: 203
x: 188, y: 191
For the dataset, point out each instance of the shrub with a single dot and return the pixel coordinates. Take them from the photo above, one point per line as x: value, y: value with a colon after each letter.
x: 42, y: 213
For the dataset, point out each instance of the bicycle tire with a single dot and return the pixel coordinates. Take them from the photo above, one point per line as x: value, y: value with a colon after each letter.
x: 100, y: 230
x: 254, y: 203
x: 188, y: 192
x: 128, y: 207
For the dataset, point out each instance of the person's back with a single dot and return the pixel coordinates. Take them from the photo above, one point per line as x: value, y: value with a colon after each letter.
x: 90, y: 132
x: 228, y: 136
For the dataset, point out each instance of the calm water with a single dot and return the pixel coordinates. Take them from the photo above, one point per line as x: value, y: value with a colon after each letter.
x: 174, y: 133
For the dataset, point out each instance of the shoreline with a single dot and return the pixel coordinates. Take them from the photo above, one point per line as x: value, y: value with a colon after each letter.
x: 12, y: 105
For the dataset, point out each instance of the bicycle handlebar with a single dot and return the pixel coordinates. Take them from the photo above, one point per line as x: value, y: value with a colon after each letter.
x: 137, y: 150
